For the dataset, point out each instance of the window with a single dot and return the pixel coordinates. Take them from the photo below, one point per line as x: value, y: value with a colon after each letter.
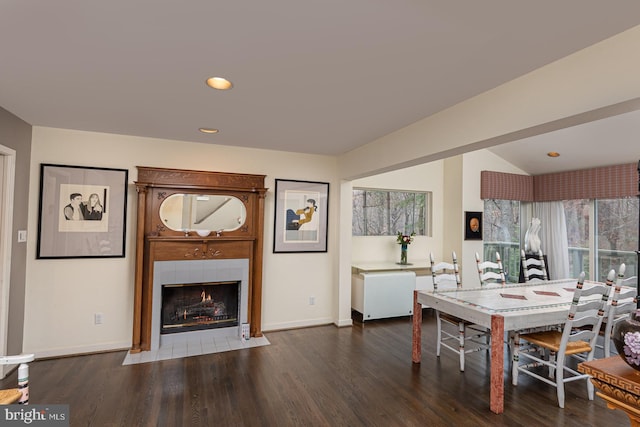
x: 385, y: 212
x: 501, y: 228
x: 616, y: 222
x: 577, y: 213
x: 612, y: 237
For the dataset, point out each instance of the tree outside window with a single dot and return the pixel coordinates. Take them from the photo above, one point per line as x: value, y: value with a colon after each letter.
x: 387, y: 212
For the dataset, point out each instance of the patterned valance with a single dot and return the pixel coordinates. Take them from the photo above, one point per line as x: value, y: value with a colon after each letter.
x: 506, y: 186
x: 606, y: 182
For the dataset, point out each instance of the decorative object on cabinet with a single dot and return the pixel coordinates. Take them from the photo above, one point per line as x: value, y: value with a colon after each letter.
x: 472, y: 225
x: 82, y: 212
x: 404, y: 240
x: 159, y: 239
x: 301, y: 216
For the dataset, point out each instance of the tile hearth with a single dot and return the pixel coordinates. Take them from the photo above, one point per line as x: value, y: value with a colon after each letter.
x: 194, y: 346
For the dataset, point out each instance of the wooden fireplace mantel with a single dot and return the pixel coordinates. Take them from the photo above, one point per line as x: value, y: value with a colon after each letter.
x: 156, y: 242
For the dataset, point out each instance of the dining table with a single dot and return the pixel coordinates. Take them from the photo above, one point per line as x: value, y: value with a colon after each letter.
x: 500, y: 308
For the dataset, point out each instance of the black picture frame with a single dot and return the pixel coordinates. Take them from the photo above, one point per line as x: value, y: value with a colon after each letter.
x: 295, y: 202
x: 472, y: 225
x: 92, y: 225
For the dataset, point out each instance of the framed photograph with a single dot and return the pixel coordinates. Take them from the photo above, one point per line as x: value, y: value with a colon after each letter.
x: 82, y: 212
x: 472, y: 225
x: 301, y: 217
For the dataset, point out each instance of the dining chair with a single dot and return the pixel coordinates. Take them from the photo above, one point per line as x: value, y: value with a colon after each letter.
x: 623, y: 302
x: 13, y: 395
x: 588, y: 308
x: 533, y: 268
x: 490, y: 271
x: 446, y: 275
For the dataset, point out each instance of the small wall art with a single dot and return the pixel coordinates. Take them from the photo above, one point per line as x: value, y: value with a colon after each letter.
x: 472, y: 225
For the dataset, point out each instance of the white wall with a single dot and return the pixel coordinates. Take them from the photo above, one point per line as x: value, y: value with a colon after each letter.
x: 62, y: 295
x: 427, y: 177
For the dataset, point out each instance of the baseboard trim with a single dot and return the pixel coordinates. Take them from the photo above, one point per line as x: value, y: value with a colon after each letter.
x: 295, y: 325
x: 81, y: 350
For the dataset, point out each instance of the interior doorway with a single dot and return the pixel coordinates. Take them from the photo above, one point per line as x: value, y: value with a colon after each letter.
x: 7, y: 182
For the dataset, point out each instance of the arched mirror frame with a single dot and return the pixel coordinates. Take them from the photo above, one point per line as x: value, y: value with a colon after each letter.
x: 155, y: 242
x: 216, y: 213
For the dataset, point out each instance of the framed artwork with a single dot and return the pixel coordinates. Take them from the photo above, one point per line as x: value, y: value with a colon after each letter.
x: 82, y: 212
x: 472, y: 225
x: 301, y: 216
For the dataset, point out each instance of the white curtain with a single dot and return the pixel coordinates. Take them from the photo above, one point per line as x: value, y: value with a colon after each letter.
x: 553, y: 236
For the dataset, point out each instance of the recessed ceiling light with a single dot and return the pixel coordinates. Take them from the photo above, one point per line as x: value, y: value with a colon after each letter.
x: 219, y: 83
x: 553, y: 154
x: 208, y: 130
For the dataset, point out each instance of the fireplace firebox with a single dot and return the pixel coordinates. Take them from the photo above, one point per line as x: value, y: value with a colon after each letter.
x: 198, y: 306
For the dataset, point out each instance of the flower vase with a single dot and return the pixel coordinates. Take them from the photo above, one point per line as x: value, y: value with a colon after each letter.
x: 626, y: 338
x: 403, y: 253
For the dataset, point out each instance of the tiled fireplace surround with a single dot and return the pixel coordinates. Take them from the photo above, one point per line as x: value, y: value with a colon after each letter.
x: 198, y: 271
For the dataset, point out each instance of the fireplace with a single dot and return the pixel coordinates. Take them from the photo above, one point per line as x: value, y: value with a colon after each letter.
x: 197, y: 306
x: 190, y: 278
x: 170, y: 256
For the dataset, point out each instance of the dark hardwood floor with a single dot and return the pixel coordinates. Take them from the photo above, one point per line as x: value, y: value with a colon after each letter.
x: 321, y: 376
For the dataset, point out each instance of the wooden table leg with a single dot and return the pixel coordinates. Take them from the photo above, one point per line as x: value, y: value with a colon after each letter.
x: 416, y: 350
x: 497, y: 364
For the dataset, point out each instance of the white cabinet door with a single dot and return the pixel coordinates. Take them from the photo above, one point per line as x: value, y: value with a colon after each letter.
x: 383, y: 294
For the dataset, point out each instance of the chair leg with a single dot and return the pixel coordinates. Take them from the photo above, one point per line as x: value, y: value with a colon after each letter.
x: 515, y: 354
x: 439, y: 338
x: 461, y: 337
x: 552, y: 359
x: 590, y: 390
x: 560, y: 381
x: 607, y: 344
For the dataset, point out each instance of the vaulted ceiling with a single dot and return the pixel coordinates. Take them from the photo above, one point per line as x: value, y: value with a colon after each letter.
x: 316, y: 77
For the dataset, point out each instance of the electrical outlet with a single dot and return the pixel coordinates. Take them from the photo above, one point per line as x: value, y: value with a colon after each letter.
x: 312, y: 300
x: 98, y: 318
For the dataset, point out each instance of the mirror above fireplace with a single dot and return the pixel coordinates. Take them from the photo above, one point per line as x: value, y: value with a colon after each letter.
x: 186, y: 212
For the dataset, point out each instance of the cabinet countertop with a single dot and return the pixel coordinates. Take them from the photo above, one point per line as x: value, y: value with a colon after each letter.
x: 369, y: 267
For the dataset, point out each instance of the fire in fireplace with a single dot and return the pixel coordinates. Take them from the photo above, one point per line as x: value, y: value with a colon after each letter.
x: 197, y: 306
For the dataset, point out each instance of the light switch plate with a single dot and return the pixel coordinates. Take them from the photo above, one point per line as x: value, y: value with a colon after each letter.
x: 22, y: 236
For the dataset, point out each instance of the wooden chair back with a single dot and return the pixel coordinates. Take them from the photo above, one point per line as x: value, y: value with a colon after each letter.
x: 445, y: 275
x: 490, y: 271
x: 586, y: 314
x: 534, y: 268
x: 623, y: 302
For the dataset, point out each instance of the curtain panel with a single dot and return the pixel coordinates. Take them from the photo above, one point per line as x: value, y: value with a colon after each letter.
x: 608, y: 182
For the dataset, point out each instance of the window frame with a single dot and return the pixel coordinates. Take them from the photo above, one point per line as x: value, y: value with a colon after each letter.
x: 428, y: 211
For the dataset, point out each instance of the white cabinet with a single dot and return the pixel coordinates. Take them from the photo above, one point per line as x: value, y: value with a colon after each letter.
x: 383, y: 294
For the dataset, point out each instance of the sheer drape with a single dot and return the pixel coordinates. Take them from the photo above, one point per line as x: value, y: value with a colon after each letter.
x: 553, y: 234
